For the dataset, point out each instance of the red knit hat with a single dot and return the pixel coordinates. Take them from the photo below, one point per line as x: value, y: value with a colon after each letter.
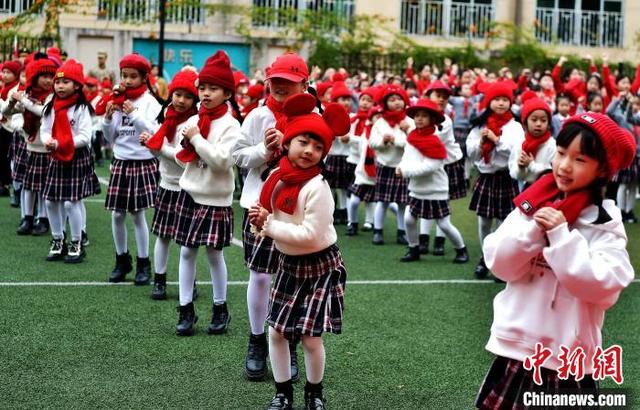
x: 425, y: 104
x: 322, y: 88
x: 14, y: 66
x: 302, y: 120
x: 375, y: 111
x: 289, y: 66
x: 495, y: 90
x: 72, y: 70
x: 106, y: 83
x: 256, y: 91
x: 91, y: 81
x: 340, y: 89
x: 371, y: 92
x: 619, y: 144
x: 54, y: 55
x: 438, y: 85
x: 390, y: 89
x: 184, y: 80
x: 533, y: 104
x: 37, y: 67
x: 137, y: 62
x: 240, y: 78
x: 217, y: 71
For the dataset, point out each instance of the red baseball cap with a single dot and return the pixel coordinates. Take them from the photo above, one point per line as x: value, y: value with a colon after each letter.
x: 289, y: 66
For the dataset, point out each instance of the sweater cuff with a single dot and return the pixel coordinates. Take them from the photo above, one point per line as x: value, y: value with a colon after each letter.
x: 556, y: 234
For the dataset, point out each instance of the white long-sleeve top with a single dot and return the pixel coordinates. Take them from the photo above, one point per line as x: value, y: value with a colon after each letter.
x: 427, y: 178
x: 511, y: 132
x: 389, y: 154
x: 80, y: 121
x: 361, y: 177
x: 557, y: 291
x: 310, y: 228
x: 170, y: 170
x: 454, y: 152
x: 541, y: 162
x: 5, y: 116
x: 210, y: 180
x: 27, y: 104
x: 354, y: 143
x: 124, y: 130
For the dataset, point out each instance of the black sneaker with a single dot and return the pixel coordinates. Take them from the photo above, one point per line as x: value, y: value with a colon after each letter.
x: 352, y: 229
x: 255, y: 364
x: 412, y: 255
x: 220, y: 319
x: 75, y: 253
x: 41, y: 227
x: 424, y: 244
x: 462, y: 256
x: 85, y: 239
x: 123, y: 266
x: 314, y: 401
x: 293, y: 354
x: 143, y: 272
x: 438, y: 246
x: 26, y: 226
x: 186, y: 320
x: 57, y: 250
x: 631, y: 217
x: 481, y: 271
x: 159, y: 291
x: 378, y: 238
x: 280, y: 402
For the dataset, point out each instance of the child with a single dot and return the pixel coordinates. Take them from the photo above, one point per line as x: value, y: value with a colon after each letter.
x: 66, y: 134
x: 166, y: 143
x: 423, y: 162
x: 562, y: 254
x: 295, y: 209
x: 489, y: 147
x: 531, y: 157
x: 252, y: 98
x: 204, y: 213
x: 255, y: 149
x: 388, y: 138
x: 134, y: 169
x: 10, y: 82
x: 563, y: 106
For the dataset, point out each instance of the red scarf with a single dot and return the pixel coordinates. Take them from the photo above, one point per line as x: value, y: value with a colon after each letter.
x: 4, y: 92
x: 394, y: 117
x: 531, y: 144
x: 361, y: 118
x: 427, y: 142
x: 370, y: 155
x: 131, y: 94
x: 90, y: 96
x: 495, y: 122
x: 544, y: 192
x: 293, y: 178
x: 61, y: 130
x: 31, y: 120
x: 206, y: 115
x: 172, y: 119
x: 247, y: 109
x: 277, y: 108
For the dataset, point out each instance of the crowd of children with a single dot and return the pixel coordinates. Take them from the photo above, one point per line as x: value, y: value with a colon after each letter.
x: 308, y: 151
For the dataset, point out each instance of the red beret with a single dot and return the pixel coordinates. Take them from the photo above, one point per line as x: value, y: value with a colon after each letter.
x: 427, y: 105
x: 438, y: 85
x: 390, y: 89
x: 495, y: 90
x: 14, y: 66
x: 184, y: 80
x: 340, y: 89
x: 72, y: 70
x: 136, y: 61
x: 256, y: 91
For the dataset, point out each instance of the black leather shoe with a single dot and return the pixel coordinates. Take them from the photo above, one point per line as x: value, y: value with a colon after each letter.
x: 438, y: 246
x: 412, y: 255
x: 481, y: 271
x: 220, y: 319
x: 186, y: 320
x: 255, y: 364
x: 159, y: 291
x: 462, y: 256
x: 293, y: 353
x: 352, y: 229
x: 378, y: 238
x: 123, y: 266
x: 280, y: 402
x: 401, y: 238
x: 26, y: 226
x: 41, y: 227
x: 314, y: 401
x: 143, y: 272
x: 424, y: 244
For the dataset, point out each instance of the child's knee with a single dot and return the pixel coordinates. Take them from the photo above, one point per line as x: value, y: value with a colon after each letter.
x: 311, y: 343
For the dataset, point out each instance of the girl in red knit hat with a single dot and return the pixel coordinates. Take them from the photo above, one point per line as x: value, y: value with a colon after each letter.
x: 130, y: 110
x: 563, y: 255
x: 66, y: 134
x: 10, y: 82
x: 165, y: 143
x: 489, y: 147
x: 204, y: 217
x: 295, y: 209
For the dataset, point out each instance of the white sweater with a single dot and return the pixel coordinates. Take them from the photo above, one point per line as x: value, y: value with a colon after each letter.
x: 80, y: 120
x: 170, y: 170
x: 310, y: 228
x: 124, y: 130
x: 26, y: 104
x: 5, y: 117
x: 499, y: 159
x: 427, y: 177
x: 541, y: 162
x: 389, y: 155
x: 361, y: 177
x: 209, y: 180
x: 454, y: 152
x: 557, y: 291
x: 354, y: 143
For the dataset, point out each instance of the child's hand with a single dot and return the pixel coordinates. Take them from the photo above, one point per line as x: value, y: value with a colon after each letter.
x: 605, y: 59
x: 272, y: 138
x: 404, y: 126
x: 110, y: 109
x: 190, y: 132
x: 525, y: 159
x: 487, y: 134
x: 399, y: 172
x: 410, y: 62
x: 345, y: 139
x: 258, y: 216
x: 388, y: 139
x: 16, y: 95
x: 128, y: 107
x: 562, y: 60
x: 144, y: 137
x: 51, y: 145
x: 548, y: 218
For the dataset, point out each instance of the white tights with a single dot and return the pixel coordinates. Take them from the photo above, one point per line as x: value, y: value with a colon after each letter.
x: 119, y: 228
x: 57, y: 211
x: 484, y: 227
x: 381, y: 210
x: 258, y: 292
x: 626, y: 196
x: 352, y: 209
x: 161, y: 254
x: 443, y: 223
x: 187, y: 274
x: 279, y: 355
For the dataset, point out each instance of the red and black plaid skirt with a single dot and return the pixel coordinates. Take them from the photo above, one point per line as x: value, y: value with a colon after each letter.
x: 36, y: 175
x: 164, y: 217
x: 366, y: 193
x: 493, y: 195
x: 70, y: 181
x: 202, y: 225
x: 457, y: 183
x: 390, y: 187
x: 132, y: 185
x: 260, y: 254
x: 308, y: 296
x: 507, y: 381
x: 429, y: 209
x: 628, y: 175
x: 19, y: 158
x: 340, y: 173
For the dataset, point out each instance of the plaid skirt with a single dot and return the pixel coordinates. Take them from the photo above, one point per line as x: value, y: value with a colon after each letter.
x: 202, y: 225
x: 341, y: 174
x: 36, y: 175
x: 429, y: 209
x: 70, y: 181
x: 628, y: 175
x: 493, y: 195
x: 308, y: 296
x: 507, y: 381
x: 164, y: 217
x: 132, y: 185
x: 460, y: 135
x: 366, y: 193
x: 19, y: 157
x: 260, y: 254
x: 457, y: 183
x: 390, y: 187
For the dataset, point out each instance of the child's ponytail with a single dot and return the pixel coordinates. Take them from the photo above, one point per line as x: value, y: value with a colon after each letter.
x: 236, y: 108
x: 313, y: 92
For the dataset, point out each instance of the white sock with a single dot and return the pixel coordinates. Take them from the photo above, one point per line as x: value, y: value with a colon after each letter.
x: 187, y: 274
x: 161, y: 254
x: 352, y: 209
x: 400, y: 217
x: 621, y: 197
x: 258, y: 293
x: 42, y: 206
x: 370, y: 209
x: 425, y: 226
x: 74, y: 212
x: 314, y: 358
x: 142, y: 234
x: 378, y: 217
x: 55, y: 210
x: 411, y: 223
x: 119, y: 230
x: 451, y: 232
x: 279, y: 356
x: 218, y: 271
x: 484, y: 228
x: 83, y: 209
x: 28, y: 201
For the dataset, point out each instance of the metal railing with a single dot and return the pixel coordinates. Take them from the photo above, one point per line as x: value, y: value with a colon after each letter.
x: 446, y: 18
x: 276, y: 14
x: 179, y: 12
x: 13, y: 7
x: 579, y: 27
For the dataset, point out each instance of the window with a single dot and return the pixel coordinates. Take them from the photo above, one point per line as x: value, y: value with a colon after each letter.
x: 449, y: 18
x: 282, y: 13
x: 149, y: 10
